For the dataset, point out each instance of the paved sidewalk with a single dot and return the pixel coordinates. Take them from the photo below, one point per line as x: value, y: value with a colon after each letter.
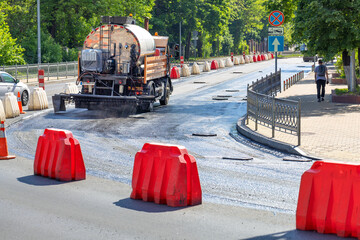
x: 328, y: 130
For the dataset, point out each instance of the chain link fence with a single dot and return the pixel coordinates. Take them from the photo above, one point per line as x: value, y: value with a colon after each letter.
x: 53, y: 71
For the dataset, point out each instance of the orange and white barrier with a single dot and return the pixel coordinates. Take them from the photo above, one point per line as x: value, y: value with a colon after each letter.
x: 4, y: 154
x: 41, y: 78
x: 20, y: 103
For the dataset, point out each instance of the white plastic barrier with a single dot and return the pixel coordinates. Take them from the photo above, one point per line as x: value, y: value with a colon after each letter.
x: 228, y: 63
x: 221, y: 63
x: 266, y: 57
x: 185, y: 71
x: 11, y: 106
x: 2, y: 112
x: 71, y: 88
x: 247, y: 59
x: 38, y: 99
x: 195, y: 70
x: 206, y: 67
x: 242, y: 60
x: 236, y: 61
x: 251, y: 59
x: 269, y: 56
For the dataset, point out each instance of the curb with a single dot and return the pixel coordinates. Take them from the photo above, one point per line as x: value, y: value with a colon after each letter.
x: 272, y: 143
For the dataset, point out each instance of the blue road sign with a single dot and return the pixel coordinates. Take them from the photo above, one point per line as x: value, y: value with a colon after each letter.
x: 276, y: 43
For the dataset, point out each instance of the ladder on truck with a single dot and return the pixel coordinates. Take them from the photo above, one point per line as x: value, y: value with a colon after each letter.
x: 105, y: 42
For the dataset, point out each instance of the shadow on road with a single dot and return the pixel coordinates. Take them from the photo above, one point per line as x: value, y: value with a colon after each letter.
x: 296, y: 234
x: 142, y: 206
x: 39, y: 181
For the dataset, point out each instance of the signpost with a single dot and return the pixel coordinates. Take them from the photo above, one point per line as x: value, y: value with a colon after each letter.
x: 276, y: 34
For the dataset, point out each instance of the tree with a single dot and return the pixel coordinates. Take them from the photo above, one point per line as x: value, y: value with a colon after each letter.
x: 329, y: 27
x: 10, y: 52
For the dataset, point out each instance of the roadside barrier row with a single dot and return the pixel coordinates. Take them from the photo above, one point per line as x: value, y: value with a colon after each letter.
x: 293, y: 80
x: 215, y: 65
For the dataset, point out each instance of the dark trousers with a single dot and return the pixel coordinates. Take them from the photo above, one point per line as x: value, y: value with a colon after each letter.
x: 320, y: 85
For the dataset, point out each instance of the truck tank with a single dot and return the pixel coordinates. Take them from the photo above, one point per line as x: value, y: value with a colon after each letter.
x: 125, y: 44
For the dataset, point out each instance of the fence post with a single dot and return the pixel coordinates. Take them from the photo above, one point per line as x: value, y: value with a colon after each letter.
x: 273, y: 117
x: 48, y: 72
x: 299, y: 122
x: 257, y: 111
x: 57, y: 73
x: 27, y: 73
x: 247, y: 106
x: 66, y: 69
x: 16, y: 71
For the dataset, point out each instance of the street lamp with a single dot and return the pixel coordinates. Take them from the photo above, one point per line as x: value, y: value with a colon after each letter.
x: 38, y: 28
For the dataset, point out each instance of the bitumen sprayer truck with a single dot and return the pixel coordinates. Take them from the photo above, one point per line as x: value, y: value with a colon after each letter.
x: 121, y: 64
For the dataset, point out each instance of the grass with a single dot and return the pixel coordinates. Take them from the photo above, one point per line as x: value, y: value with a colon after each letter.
x: 345, y: 91
x: 291, y: 55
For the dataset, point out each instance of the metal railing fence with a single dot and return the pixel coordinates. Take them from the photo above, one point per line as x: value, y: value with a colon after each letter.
x: 53, y: 71
x: 263, y: 108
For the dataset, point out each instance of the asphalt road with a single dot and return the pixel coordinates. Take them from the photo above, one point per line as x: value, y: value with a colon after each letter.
x: 253, y: 199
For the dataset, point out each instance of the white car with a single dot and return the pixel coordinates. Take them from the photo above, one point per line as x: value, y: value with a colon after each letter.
x: 9, y: 84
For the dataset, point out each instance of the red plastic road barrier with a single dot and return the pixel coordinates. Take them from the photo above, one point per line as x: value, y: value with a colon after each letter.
x: 166, y: 174
x: 41, y: 74
x: 254, y: 58
x: 262, y: 57
x: 272, y: 55
x: 258, y: 58
x: 174, y: 74
x: 329, y: 199
x: 214, y: 65
x: 58, y: 155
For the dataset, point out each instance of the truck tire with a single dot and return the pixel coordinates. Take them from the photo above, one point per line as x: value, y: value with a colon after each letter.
x: 165, y: 101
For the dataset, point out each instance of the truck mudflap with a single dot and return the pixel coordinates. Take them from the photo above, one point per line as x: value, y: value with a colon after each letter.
x: 93, y: 102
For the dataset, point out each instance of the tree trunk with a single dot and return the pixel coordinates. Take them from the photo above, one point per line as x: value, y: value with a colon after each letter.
x: 346, y: 64
x: 353, y: 81
x: 199, y: 45
x: 188, y: 44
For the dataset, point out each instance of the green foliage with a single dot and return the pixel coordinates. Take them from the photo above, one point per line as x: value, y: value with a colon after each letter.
x: 345, y: 91
x: 10, y: 52
x: 328, y: 27
x: 223, y: 26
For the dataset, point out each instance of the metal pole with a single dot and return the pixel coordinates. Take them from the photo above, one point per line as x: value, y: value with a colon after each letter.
x: 273, y: 117
x: 275, y: 62
x: 247, y: 106
x: 299, y: 123
x: 48, y: 71
x: 27, y: 73
x: 180, y: 39
x: 39, y: 33
x: 257, y: 111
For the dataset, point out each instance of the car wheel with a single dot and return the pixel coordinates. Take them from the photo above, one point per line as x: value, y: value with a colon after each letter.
x: 24, y: 98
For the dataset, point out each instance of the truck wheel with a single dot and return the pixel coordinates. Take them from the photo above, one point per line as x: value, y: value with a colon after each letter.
x: 165, y: 101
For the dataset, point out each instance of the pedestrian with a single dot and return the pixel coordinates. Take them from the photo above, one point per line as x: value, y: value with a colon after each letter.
x: 321, y: 78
